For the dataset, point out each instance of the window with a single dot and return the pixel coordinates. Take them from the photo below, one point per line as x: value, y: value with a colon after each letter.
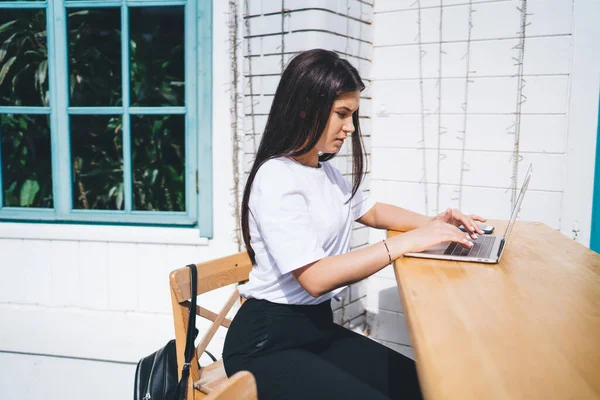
x: 105, y: 111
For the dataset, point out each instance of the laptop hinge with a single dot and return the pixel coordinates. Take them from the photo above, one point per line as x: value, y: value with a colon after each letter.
x: 501, y: 247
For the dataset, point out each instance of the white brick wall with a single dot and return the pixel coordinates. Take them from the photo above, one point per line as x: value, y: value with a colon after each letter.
x: 342, y: 26
x: 399, y: 139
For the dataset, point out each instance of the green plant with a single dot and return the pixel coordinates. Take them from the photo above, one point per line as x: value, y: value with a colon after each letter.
x: 156, y: 74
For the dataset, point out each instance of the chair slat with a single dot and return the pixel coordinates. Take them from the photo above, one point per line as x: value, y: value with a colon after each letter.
x: 212, y: 275
x: 241, y: 386
x: 215, y: 325
x: 211, y: 316
x: 211, y: 377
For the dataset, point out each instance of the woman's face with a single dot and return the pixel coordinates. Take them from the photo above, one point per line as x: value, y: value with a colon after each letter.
x: 340, y: 125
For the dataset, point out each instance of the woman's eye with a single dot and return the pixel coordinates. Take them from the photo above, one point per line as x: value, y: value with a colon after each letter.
x: 342, y: 115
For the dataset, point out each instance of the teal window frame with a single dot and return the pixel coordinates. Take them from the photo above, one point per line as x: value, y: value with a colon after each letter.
x: 197, y: 111
x: 595, y: 231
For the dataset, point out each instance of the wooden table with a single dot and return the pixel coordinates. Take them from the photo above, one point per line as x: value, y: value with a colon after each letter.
x: 526, y: 328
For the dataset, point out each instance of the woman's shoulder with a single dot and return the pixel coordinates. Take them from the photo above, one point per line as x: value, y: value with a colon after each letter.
x: 274, y: 167
x: 274, y: 171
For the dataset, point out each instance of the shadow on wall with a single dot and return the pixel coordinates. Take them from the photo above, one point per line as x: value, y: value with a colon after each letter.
x: 386, y: 322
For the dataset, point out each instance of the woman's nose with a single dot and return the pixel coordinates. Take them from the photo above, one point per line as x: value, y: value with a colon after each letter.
x: 348, y: 128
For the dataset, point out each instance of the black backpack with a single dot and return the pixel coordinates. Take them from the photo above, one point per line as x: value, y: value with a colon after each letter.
x: 156, y: 374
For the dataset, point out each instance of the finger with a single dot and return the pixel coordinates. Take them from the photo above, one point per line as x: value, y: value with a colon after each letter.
x: 476, y: 226
x: 458, y: 236
x: 471, y: 227
x: 478, y: 218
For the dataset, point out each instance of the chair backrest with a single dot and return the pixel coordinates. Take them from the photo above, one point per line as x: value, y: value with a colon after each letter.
x: 211, y: 275
x: 241, y: 386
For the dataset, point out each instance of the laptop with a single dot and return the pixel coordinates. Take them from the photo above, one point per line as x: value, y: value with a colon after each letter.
x: 486, y: 249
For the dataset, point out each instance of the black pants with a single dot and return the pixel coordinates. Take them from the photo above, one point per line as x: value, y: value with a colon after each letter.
x: 298, y: 352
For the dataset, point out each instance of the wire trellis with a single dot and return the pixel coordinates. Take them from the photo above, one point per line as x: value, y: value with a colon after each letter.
x: 250, y: 76
x: 234, y: 98
x: 422, y: 54
x: 441, y: 130
x: 521, y: 98
x: 463, y: 165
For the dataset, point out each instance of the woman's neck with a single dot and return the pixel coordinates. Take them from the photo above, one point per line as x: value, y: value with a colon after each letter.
x: 310, y: 159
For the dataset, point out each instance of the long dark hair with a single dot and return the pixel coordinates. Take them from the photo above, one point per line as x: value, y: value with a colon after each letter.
x: 300, y: 110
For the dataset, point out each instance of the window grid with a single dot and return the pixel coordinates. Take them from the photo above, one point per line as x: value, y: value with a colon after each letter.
x: 60, y: 112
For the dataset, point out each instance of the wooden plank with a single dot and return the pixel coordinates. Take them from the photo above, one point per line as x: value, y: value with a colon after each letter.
x: 241, y: 386
x: 212, y: 275
x: 525, y: 328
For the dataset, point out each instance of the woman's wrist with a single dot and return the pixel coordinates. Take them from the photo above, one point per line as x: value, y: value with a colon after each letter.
x: 398, y: 245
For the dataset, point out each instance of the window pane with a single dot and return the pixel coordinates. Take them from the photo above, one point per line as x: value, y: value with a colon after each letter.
x: 156, y: 56
x: 97, y: 162
x: 23, y: 58
x: 95, y: 56
x: 26, y: 160
x: 158, y: 160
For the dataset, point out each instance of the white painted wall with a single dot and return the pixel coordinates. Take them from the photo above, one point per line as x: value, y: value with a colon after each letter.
x: 414, y: 162
x: 80, y: 305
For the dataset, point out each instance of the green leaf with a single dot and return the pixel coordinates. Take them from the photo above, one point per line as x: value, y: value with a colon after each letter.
x: 42, y: 72
x: 12, y: 187
x: 22, y: 123
x: 84, y: 12
x: 7, y: 25
x: 10, y: 39
x: 6, y: 68
x: 33, y: 53
x: 119, y: 199
x: 28, y: 191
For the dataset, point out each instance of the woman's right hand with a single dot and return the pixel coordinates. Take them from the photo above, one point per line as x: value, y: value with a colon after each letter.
x: 435, y: 232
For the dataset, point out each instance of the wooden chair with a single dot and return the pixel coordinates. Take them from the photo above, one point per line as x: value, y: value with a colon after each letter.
x: 211, y: 275
x: 241, y: 386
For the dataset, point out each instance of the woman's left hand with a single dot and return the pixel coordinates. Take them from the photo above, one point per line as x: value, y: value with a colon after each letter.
x: 455, y: 217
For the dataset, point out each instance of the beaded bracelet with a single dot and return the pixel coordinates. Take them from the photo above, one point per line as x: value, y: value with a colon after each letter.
x: 388, y: 250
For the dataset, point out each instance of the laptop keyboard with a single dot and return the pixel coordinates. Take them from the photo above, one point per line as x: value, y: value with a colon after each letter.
x: 482, y: 248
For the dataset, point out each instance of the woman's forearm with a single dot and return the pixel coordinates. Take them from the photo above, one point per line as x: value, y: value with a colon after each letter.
x: 336, y: 271
x: 387, y: 216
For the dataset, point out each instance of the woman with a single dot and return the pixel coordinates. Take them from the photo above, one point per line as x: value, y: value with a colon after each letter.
x: 297, y: 216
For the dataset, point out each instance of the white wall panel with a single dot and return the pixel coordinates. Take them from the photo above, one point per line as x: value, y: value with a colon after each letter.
x: 153, y: 267
x: 123, y: 280
x: 15, y: 271
x: 60, y: 378
x: 92, y: 261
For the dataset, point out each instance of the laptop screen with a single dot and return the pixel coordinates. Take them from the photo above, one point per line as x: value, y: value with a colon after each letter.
x: 517, y: 208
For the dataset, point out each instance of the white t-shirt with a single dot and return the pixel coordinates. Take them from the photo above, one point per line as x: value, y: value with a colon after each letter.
x: 297, y: 216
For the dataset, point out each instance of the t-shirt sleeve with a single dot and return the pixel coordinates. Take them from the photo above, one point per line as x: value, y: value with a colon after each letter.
x: 281, y: 211
x: 360, y: 203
